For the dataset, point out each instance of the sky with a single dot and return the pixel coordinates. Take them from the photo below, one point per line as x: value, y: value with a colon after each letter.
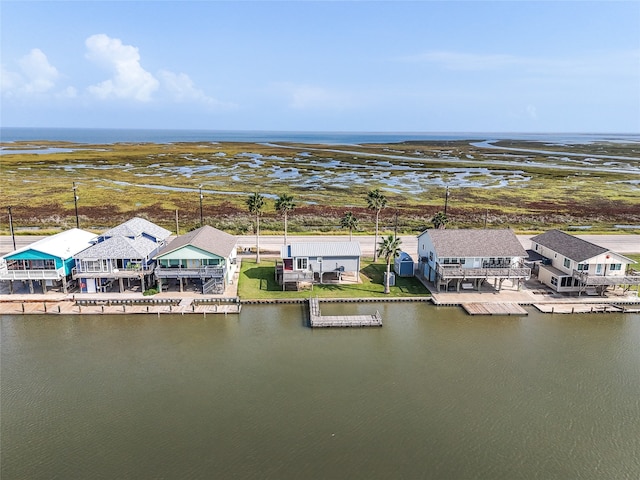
x: 378, y: 66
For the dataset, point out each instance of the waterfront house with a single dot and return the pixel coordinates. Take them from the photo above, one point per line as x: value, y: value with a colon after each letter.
x: 571, y: 264
x: 318, y: 262
x: 49, y: 261
x: 465, y: 258
x: 206, y: 257
x: 124, y: 252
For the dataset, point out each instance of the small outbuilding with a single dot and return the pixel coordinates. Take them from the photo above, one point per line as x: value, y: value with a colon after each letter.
x: 403, y: 265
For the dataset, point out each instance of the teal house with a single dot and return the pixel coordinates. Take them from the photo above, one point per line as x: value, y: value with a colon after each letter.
x: 204, y: 259
x: 48, y: 262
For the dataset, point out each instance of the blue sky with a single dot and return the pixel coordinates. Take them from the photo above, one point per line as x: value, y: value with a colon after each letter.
x: 422, y: 66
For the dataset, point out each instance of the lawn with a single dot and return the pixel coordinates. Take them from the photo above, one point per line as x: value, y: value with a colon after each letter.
x: 257, y: 281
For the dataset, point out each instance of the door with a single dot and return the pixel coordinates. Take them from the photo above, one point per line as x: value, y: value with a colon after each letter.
x: 193, y: 263
x: 599, y: 269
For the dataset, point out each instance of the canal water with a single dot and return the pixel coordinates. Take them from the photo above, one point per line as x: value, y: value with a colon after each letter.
x: 434, y: 393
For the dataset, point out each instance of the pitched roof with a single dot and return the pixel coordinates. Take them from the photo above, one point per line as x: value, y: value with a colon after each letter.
x: 137, y: 226
x: 321, y: 249
x: 568, y: 246
x: 63, y: 245
x: 475, y: 243
x: 205, y: 238
x: 120, y: 247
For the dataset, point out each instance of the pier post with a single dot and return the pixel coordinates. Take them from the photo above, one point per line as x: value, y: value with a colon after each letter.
x: 45, y: 306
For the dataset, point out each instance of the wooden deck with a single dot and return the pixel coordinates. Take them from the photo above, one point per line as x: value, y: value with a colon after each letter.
x: 585, y: 308
x: 494, y: 309
x: 317, y: 320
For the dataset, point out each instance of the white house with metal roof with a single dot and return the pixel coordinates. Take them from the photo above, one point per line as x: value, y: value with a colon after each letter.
x: 318, y: 262
x: 48, y: 261
x: 123, y: 252
x: 575, y: 265
x: 465, y: 258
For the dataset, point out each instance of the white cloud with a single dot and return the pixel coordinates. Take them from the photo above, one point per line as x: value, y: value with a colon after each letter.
x: 303, y: 97
x: 36, y: 76
x: 129, y: 80
x: 180, y: 88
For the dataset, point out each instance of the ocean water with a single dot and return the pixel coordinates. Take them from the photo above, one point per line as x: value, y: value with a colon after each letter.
x: 108, y: 135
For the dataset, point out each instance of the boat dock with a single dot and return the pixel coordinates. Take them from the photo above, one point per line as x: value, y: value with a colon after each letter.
x: 586, y: 308
x: 494, y: 309
x: 317, y: 320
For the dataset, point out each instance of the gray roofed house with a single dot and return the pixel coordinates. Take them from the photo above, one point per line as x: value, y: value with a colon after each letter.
x: 466, y: 258
x: 571, y: 264
x: 309, y: 262
x: 567, y: 245
x: 122, y: 252
x: 206, y: 257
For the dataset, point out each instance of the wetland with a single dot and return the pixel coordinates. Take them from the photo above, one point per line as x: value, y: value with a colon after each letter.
x: 523, y: 184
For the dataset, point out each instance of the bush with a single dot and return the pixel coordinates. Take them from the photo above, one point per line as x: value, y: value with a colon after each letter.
x: 151, y: 291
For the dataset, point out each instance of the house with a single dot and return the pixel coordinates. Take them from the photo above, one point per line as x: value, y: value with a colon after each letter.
x: 123, y: 252
x: 318, y: 262
x: 466, y: 258
x: 206, y: 256
x: 571, y: 264
x: 48, y: 261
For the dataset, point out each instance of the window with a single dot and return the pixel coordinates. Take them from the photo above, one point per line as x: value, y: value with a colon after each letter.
x: 302, y: 263
x: 431, y: 256
x: 319, y: 260
x: 616, y: 266
x: 463, y: 261
x: 583, y: 267
x: 567, y: 263
x: 536, y: 247
x: 554, y: 281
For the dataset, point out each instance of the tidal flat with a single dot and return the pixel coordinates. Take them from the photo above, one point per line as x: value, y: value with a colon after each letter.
x: 525, y: 185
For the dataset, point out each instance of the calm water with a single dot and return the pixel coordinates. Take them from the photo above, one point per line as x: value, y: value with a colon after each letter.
x: 433, y: 394
x: 114, y: 135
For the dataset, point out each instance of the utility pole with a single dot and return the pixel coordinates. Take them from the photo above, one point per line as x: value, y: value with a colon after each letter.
x: 75, y: 202
x: 201, y: 218
x: 486, y: 214
x: 446, y: 199
x: 13, y: 237
x: 177, y: 229
x: 395, y: 229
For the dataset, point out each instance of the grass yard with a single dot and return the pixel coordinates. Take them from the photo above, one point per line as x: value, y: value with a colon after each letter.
x: 257, y: 281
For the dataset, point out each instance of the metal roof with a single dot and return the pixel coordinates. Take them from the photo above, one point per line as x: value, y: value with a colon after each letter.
x: 475, y: 243
x: 322, y: 249
x: 63, y: 245
x: 568, y: 246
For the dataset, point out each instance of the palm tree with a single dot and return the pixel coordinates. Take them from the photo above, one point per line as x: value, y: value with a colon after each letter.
x: 376, y: 201
x: 255, y: 203
x: 349, y: 221
x: 389, y: 248
x: 439, y: 220
x: 284, y: 205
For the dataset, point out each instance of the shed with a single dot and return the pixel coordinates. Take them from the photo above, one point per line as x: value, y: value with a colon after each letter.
x: 403, y: 265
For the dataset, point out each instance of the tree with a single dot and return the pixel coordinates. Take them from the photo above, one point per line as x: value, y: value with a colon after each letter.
x: 439, y: 220
x: 376, y: 201
x: 349, y: 221
x: 389, y: 248
x: 284, y: 205
x: 255, y: 203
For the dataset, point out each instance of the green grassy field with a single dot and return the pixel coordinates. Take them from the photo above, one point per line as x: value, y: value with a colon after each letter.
x: 524, y: 191
x: 257, y: 281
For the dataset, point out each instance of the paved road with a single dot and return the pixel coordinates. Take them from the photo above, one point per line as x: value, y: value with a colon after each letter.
x: 272, y: 243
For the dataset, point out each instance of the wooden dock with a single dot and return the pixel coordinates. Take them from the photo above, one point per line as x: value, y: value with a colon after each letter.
x: 317, y: 320
x: 585, y: 308
x: 494, y: 309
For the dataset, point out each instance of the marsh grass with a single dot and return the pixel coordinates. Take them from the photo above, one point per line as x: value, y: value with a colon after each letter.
x: 113, y: 185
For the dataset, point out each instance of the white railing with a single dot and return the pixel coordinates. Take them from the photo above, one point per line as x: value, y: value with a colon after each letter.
x: 6, y: 274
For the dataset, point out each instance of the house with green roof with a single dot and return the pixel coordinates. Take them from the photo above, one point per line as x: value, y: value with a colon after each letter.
x: 48, y: 262
x: 205, y: 258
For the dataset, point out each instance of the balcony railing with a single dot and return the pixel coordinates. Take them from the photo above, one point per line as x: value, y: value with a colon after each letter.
x: 181, y: 272
x: 447, y: 272
x: 631, y: 278
x: 132, y: 271
x: 6, y: 274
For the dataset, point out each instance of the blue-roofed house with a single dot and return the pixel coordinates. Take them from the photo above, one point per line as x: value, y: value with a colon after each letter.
x: 124, y: 252
x: 318, y: 262
x: 49, y: 261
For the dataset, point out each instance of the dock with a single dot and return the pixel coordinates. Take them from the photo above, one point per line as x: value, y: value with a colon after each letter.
x: 317, y: 320
x: 494, y: 309
x: 586, y: 308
